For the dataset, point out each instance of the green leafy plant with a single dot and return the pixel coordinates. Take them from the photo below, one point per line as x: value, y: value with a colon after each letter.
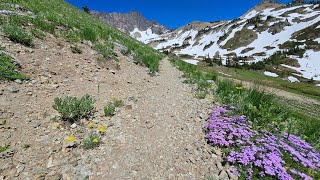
x: 73, y: 109
x: 109, y: 109
x: 92, y: 141
x: 8, y: 69
x: 18, y: 35
x: 118, y: 102
x: 4, y: 148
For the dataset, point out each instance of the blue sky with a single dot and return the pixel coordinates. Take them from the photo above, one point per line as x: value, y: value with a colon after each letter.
x: 175, y: 13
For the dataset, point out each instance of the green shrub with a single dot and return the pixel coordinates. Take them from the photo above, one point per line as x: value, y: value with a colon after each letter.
x: 118, y: 102
x: 109, y: 109
x: 72, y: 109
x: 92, y: 141
x: 8, y: 69
x: 18, y: 35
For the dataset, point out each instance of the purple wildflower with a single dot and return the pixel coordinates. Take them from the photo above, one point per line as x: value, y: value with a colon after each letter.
x: 259, y: 149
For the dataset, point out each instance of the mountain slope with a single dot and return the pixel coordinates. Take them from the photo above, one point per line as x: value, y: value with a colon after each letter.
x: 132, y: 23
x: 257, y: 35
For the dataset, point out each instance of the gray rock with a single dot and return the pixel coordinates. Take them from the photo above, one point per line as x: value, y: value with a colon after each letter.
x: 223, y: 175
x: 20, y: 168
x: 73, y: 126
x: 213, y: 177
x: 18, y: 81
x: 13, y: 89
x: 129, y: 21
x: 69, y: 144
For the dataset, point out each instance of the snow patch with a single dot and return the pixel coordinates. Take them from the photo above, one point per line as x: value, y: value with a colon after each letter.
x: 309, y: 65
x: 267, y: 73
x: 145, y: 36
x: 317, y: 40
x: 191, y: 61
x: 293, y: 79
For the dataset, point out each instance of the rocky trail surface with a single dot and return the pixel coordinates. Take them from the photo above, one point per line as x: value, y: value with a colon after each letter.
x: 157, y: 134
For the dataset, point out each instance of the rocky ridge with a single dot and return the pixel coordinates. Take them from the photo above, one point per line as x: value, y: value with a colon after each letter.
x: 132, y: 23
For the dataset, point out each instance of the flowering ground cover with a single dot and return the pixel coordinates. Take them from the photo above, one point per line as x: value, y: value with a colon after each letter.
x: 260, y: 153
x: 262, y: 137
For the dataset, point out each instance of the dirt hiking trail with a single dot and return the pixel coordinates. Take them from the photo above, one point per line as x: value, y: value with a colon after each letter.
x: 156, y: 135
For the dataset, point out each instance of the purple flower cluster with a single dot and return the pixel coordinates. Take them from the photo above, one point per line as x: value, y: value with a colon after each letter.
x: 261, y: 150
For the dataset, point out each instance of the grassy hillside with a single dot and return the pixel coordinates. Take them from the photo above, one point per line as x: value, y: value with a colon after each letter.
x: 63, y: 20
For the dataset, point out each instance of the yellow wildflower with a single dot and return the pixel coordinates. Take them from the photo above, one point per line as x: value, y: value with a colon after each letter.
x: 209, y: 97
x: 95, y: 140
x: 101, y: 129
x: 240, y: 87
x: 70, y: 138
x: 212, y: 86
x: 90, y: 125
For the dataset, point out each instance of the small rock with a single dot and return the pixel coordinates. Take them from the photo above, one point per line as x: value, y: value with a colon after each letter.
x: 112, y: 72
x: 214, y: 177
x: 36, y: 125
x: 219, y: 165
x: 218, y: 152
x: 18, y: 81
x: 66, y: 177
x: 50, y: 163
x: 20, y: 168
x: 13, y: 89
x: 40, y: 176
x: 223, y: 175
x: 128, y: 107
x: 3, y: 122
x: 73, y: 126
x: 29, y: 93
x: 69, y: 145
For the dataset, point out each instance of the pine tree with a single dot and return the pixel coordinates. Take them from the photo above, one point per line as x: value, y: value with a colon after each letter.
x: 86, y: 9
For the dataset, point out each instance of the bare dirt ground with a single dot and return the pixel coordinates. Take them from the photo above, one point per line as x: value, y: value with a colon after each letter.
x: 156, y: 135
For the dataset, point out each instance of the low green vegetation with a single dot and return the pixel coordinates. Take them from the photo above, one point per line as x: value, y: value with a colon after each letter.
x: 38, y: 33
x: 193, y: 75
x: 4, y: 148
x: 9, y: 69
x: 63, y: 20
x: 18, y: 35
x: 25, y: 146
x: 106, y: 50
x: 110, y: 108
x: 92, y: 141
x: 73, y: 109
x: 241, y: 38
x: 263, y: 109
x: 309, y: 90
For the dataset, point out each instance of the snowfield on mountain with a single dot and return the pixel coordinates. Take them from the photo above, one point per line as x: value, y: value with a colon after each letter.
x: 258, y: 34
